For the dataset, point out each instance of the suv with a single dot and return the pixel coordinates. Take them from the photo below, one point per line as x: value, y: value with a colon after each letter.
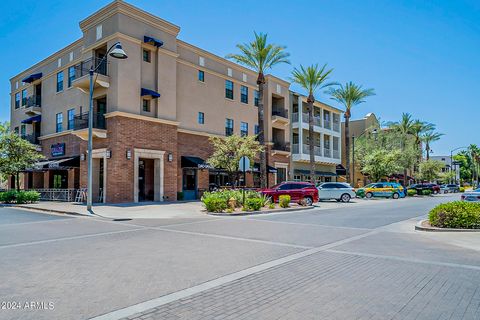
x: 336, y: 190
x: 383, y: 189
x: 297, y: 191
x: 446, y: 188
x: 419, y: 187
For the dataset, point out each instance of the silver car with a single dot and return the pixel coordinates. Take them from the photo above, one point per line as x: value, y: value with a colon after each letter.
x: 335, y: 190
x: 472, y: 195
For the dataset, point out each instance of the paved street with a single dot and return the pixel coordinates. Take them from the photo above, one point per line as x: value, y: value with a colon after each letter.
x: 360, y: 260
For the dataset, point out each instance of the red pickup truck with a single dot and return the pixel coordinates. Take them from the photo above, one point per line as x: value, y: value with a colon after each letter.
x: 296, y: 190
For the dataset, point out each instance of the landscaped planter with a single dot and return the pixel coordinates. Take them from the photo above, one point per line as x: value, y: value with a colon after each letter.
x: 458, y: 216
x: 424, y: 225
x: 263, y: 211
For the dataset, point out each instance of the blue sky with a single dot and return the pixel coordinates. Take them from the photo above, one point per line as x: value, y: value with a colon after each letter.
x: 421, y: 57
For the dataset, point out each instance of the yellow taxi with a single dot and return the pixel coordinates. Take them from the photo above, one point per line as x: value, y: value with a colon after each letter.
x: 382, y: 189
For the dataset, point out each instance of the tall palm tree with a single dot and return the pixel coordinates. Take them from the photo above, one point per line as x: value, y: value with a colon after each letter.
x: 420, y: 127
x: 260, y: 56
x: 429, y: 137
x: 349, y: 95
x: 405, y: 127
x: 311, y: 79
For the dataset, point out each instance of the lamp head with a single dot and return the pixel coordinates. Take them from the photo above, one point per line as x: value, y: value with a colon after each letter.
x: 118, y: 52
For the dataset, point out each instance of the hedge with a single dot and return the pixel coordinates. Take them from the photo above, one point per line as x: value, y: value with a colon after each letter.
x: 456, y: 214
x: 19, y: 197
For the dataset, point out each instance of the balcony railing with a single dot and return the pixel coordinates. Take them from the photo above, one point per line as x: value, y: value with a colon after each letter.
x: 32, y: 138
x: 80, y: 121
x: 336, y: 154
x: 326, y: 152
x: 326, y: 124
x: 280, y: 112
x: 336, y: 126
x: 295, y: 148
x: 281, y: 146
x: 34, y: 101
x: 83, y: 67
x: 317, y: 151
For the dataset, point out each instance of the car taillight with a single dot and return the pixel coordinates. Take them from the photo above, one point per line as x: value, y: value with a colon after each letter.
x: 353, y: 189
x: 463, y: 197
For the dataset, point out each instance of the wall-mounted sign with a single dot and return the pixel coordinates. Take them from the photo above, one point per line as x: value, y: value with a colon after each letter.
x: 58, y: 149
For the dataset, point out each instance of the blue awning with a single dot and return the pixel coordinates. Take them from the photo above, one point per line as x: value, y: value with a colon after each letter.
x: 36, y: 118
x: 153, y: 41
x: 32, y: 77
x: 148, y: 92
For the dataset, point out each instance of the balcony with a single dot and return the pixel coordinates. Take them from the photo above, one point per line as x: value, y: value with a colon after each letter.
x: 327, y: 124
x: 32, y: 138
x: 327, y: 153
x: 33, y: 105
x: 317, y: 121
x: 82, y: 80
x: 336, y: 154
x: 79, y: 125
x: 281, y: 146
x: 280, y: 116
x: 317, y: 151
x: 336, y: 126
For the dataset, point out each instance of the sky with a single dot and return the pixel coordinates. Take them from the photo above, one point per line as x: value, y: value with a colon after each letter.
x: 421, y: 57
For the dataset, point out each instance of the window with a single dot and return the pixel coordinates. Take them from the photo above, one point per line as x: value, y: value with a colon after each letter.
x: 60, y: 81
x: 256, y: 97
x: 59, y: 127
x: 16, y: 130
x: 17, y: 100
x: 201, y: 118
x: 71, y: 75
x: 201, y: 76
x: 244, y: 129
x: 71, y: 117
x: 201, y: 61
x: 24, y: 97
x: 229, y: 72
x: 146, y: 105
x: 228, y: 89
x: 146, y: 55
x: 99, y: 31
x: 228, y: 127
x: 257, y: 129
x: 244, y: 94
x: 23, y: 130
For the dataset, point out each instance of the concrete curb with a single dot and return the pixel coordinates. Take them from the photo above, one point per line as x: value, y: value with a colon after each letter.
x: 248, y: 213
x: 420, y: 227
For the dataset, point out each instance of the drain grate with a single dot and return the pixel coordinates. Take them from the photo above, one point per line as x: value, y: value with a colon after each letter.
x: 122, y: 219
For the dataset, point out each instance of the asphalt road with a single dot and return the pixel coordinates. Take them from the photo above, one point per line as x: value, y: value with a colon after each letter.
x: 360, y: 260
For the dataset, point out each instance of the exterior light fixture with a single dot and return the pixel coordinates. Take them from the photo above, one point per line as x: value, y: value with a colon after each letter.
x: 82, y: 157
x: 108, y: 154
x: 118, y: 52
x: 170, y: 157
x: 129, y: 154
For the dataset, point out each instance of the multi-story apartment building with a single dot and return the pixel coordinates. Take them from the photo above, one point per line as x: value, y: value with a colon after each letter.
x: 327, y: 140
x: 153, y: 112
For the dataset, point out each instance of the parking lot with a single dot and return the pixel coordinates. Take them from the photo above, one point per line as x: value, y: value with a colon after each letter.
x: 339, y: 261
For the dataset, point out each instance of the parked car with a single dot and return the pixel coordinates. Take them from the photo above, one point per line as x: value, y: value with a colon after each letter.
x: 419, y: 187
x: 449, y: 188
x: 383, y: 189
x: 297, y: 191
x: 335, y: 190
x: 472, y: 195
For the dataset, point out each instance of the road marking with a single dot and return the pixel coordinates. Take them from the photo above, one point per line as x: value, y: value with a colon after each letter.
x: 308, y: 224
x: 430, y: 262
x: 32, y: 222
x: 157, y: 302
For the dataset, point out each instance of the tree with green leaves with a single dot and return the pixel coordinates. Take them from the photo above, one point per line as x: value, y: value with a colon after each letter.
x: 228, y: 151
x: 349, y: 95
x: 380, y: 163
x: 311, y: 79
x: 430, y: 170
x: 428, y: 138
x: 16, y: 154
x: 260, y: 56
x: 405, y: 127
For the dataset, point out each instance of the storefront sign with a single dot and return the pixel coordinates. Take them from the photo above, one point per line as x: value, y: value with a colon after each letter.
x: 58, y: 149
x: 204, y: 166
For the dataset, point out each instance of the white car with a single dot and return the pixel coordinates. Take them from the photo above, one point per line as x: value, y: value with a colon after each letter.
x: 335, y: 190
x: 472, y: 195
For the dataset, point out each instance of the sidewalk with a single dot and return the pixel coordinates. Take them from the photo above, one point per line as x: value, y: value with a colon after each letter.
x: 149, y: 210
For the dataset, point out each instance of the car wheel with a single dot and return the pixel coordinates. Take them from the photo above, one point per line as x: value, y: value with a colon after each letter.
x: 369, y: 195
x: 308, y: 201
x: 345, y: 197
x: 395, y: 195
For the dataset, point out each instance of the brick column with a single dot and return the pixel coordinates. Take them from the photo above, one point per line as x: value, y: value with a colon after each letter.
x: 46, y: 179
x: 71, y: 178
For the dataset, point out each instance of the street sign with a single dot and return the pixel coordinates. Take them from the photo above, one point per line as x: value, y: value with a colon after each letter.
x: 244, y: 164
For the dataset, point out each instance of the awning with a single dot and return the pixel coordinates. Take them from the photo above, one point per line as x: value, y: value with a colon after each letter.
x: 194, y: 162
x: 32, y: 77
x: 148, y: 92
x: 341, y: 171
x: 65, y: 163
x: 256, y: 168
x: 36, y: 118
x: 317, y: 173
x: 154, y: 42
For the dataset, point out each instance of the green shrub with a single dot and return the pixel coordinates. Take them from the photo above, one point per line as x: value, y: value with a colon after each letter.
x: 456, y: 214
x: 27, y: 197
x: 8, y: 196
x: 426, y: 192
x: 215, y: 204
x: 253, y: 204
x: 411, y: 192
x: 284, y: 201
x: 462, y: 189
x: 271, y: 206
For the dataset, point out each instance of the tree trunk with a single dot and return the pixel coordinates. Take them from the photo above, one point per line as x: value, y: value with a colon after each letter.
x: 428, y: 151
x: 347, y: 147
x: 261, y: 133
x: 311, y: 144
x: 17, y: 178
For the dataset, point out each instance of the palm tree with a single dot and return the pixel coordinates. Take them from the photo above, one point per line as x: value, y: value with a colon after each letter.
x: 429, y: 137
x: 260, y: 56
x: 420, y: 127
x: 311, y: 79
x: 349, y: 95
x: 405, y: 127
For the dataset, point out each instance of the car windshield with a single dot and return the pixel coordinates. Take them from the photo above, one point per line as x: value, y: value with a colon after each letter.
x: 276, y: 186
x: 369, y: 185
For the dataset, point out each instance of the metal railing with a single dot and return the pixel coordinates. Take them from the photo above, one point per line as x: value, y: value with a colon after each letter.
x: 317, y: 151
x: 280, y: 112
x: 83, y: 67
x: 326, y: 124
x: 281, y: 146
x: 34, y: 101
x: 336, y: 154
x: 295, y: 148
x: 326, y: 152
x: 295, y: 117
x: 32, y: 138
x: 336, y: 126
x: 66, y: 195
x: 80, y: 121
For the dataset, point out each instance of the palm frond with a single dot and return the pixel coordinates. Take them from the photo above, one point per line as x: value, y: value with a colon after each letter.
x: 312, y: 77
x: 350, y: 94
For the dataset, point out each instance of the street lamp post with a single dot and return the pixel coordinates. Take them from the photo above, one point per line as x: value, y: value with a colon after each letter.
x: 451, y: 163
x: 116, y: 52
x: 374, y: 132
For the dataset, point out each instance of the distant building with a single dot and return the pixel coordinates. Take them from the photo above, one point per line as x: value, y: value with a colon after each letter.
x: 447, y: 165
